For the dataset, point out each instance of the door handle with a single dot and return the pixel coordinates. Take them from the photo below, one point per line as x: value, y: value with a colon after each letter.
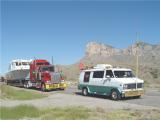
x: 104, y: 81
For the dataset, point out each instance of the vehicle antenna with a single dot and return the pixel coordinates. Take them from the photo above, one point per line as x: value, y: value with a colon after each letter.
x: 52, y: 60
x: 137, y: 54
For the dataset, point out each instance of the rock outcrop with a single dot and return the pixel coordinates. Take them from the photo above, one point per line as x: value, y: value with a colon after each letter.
x: 144, y: 49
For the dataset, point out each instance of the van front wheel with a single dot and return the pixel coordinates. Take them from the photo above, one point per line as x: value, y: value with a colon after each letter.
x: 85, y: 91
x: 115, y: 95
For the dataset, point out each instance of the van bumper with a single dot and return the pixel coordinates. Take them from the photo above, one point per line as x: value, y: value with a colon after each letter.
x: 132, y: 93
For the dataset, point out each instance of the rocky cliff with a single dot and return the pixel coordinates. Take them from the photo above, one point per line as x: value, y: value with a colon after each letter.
x: 93, y: 48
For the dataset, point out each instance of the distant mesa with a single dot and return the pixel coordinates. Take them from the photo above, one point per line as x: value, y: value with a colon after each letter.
x: 94, y: 48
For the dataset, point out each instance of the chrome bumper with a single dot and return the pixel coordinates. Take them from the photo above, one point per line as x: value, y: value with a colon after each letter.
x: 56, y: 86
x: 132, y: 93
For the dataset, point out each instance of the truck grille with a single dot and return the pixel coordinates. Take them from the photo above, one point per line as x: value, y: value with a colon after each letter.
x: 133, y: 86
x: 55, y: 78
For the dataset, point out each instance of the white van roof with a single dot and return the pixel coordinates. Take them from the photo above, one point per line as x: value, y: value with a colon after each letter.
x: 101, y: 67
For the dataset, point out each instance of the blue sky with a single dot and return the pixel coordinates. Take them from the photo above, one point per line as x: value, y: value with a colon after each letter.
x: 61, y: 29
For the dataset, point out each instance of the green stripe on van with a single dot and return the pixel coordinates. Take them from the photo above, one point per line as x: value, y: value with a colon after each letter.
x: 95, y: 89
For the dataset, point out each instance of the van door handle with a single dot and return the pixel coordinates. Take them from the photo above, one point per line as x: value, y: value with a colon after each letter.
x: 104, y: 81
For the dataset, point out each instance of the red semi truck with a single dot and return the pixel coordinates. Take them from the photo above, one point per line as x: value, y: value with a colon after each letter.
x: 37, y: 73
x: 42, y: 75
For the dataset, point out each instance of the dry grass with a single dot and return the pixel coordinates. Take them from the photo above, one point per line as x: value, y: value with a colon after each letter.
x: 75, y: 113
x: 9, y: 92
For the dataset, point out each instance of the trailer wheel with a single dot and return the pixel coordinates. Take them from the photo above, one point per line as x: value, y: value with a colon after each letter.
x: 6, y: 82
x: 26, y: 85
x: 85, y: 91
x: 115, y: 95
x: 43, y: 87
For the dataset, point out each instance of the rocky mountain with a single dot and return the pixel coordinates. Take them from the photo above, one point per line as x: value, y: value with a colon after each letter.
x: 148, y: 54
x: 93, y: 48
x: 98, y: 53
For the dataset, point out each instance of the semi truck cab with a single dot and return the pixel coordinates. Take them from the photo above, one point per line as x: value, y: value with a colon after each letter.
x: 43, y: 75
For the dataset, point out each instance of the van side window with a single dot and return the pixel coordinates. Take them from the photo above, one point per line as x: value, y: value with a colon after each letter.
x: 109, y: 73
x: 98, y: 74
x: 86, y: 76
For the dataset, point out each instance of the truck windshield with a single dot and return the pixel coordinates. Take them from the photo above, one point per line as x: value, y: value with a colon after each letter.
x: 51, y: 69
x: 123, y: 74
x: 42, y: 63
x: 25, y: 63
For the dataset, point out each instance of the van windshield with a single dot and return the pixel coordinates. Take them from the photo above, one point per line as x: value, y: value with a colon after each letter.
x: 123, y: 74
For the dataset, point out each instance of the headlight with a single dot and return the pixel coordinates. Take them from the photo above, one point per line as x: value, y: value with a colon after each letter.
x: 125, y: 86
x: 48, y: 82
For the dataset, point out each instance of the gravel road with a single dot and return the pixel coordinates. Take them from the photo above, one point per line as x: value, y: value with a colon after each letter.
x: 72, y: 97
x: 66, y: 100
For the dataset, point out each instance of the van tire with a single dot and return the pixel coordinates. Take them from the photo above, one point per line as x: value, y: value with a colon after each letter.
x: 85, y: 91
x: 115, y: 95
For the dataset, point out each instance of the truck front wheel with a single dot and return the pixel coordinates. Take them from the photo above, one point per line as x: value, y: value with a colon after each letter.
x: 43, y: 87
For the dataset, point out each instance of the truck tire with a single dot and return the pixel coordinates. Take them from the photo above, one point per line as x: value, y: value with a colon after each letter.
x: 85, y: 91
x: 115, y: 95
x: 43, y: 87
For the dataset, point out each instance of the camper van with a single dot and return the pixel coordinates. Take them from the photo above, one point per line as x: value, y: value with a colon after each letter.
x: 104, y: 79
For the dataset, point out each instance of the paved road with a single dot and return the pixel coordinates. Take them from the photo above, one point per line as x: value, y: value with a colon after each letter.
x: 150, y: 98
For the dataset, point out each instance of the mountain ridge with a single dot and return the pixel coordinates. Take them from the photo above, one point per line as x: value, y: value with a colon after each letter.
x: 94, y: 48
